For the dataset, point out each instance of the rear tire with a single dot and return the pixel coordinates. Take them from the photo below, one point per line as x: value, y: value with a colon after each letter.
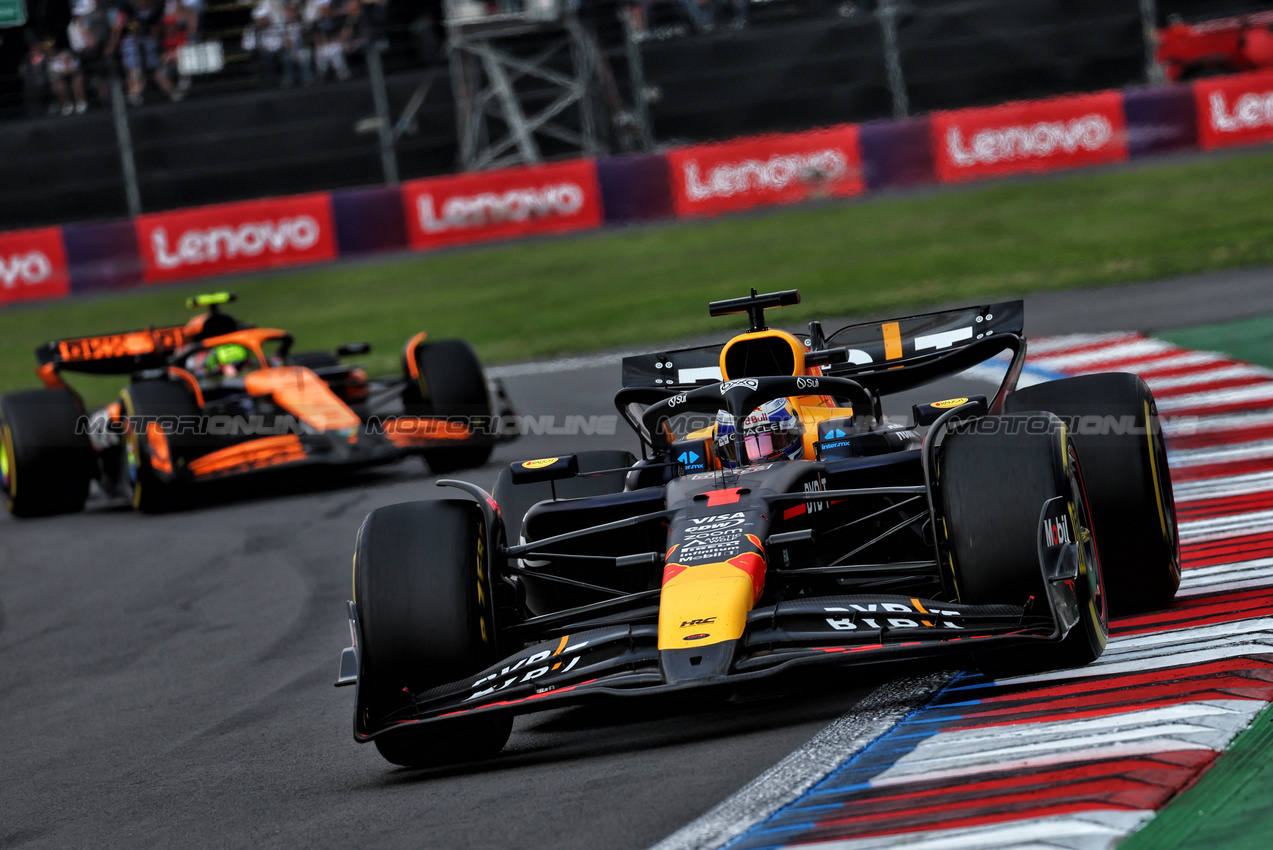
x: 45, y: 466
x: 422, y: 596
x: 148, y: 485
x: 451, y: 383
x: 1129, y: 483
x: 994, y: 486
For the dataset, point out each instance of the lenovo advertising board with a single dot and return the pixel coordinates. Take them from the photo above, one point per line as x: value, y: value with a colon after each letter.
x: 1044, y: 135
x: 1234, y: 110
x: 502, y: 204
x: 238, y: 237
x: 778, y: 169
x: 32, y: 265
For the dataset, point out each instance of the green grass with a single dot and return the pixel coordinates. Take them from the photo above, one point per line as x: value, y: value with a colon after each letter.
x: 643, y: 285
x: 1246, y: 339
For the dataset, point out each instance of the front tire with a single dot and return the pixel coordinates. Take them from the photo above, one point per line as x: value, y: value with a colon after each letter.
x: 994, y: 484
x: 1114, y: 423
x: 425, y: 617
x: 45, y: 465
x: 151, y: 454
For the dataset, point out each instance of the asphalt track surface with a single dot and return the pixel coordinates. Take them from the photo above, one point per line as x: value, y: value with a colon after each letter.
x: 167, y: 681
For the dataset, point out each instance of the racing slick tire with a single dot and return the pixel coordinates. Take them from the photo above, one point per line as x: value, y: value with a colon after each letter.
x: 515, y: 500
x: 450, y: 383
x: 1128, y: 481
x: 424, y: 615
x: 45, y: 466
x: 994, y: 482
x: 145, y: 459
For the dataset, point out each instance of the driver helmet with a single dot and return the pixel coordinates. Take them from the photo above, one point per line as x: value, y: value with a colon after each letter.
x: 771, y: 432
x: 228, y: 360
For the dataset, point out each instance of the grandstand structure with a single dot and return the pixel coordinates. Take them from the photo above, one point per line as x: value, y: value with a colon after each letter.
x: 476, y: 85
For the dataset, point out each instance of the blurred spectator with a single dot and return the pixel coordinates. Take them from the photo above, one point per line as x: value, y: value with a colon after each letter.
x: 35, y: 78
x: 180, y: 22
x: 88, y: 34
x: 331, y: 34
x: 277, y: 41
x: 64, y: 68
x: 141, y: 27
x: 265, y: 40
x: 296, y: 59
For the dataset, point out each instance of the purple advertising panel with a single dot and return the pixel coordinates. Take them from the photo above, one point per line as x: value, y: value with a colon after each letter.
x: 102, y: 255
x: 897, y: 153
x: 369, y: 220
x: 635, y: 188
x: 1160, y: 120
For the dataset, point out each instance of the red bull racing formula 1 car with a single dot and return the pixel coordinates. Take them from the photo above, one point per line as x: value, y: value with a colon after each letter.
x: 217, y: 397
x: 776, y: 521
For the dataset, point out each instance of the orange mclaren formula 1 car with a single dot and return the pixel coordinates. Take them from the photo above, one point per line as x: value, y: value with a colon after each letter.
x: 217, y: 397
x: 777, y: 521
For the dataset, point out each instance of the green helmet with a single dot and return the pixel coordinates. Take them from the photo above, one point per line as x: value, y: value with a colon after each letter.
x: 227, y: 354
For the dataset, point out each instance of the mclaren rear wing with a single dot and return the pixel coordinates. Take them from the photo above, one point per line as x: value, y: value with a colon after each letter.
x: 112, y: 354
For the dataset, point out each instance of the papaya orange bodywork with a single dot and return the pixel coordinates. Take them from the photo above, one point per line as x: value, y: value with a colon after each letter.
x: 245, y: 457
x: 303, y: 394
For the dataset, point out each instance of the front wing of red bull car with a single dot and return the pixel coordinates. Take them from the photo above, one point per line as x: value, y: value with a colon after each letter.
x: 1006, y: 527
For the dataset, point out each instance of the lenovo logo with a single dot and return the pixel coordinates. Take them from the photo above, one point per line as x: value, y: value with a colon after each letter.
x: 489, y: 208
x: 773, y: 174
x: 1090, y: 132
x: 1249, y: 111
x: 30, y: 268
x: 252, y: 239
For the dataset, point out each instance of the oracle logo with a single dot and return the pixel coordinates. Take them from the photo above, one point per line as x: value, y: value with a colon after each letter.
x: 30, y: 268
x: 250, y: 239
x: 1251, y: 110
x: 489, y: 208
x: 773, y: 174
x: 1090, y: 132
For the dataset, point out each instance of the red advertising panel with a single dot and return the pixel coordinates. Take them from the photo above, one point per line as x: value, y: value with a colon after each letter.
x: 1044, y: 135
x: 237, y: 237
x: 33, y: 265
x: 502, y: 204
x: 779, y: 169
x: 1234, y: 110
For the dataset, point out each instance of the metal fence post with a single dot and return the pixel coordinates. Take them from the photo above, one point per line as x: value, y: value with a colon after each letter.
x: 376, y: 72
x: 1149, y: 23
x: 887, y: 13
x: 124, y: 139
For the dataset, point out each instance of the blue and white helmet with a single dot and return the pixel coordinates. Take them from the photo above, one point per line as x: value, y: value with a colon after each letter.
x: 771, y: 432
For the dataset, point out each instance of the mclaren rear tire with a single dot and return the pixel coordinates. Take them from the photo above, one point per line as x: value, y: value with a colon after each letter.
x: 450, y: 383
x: 45, y: 465
x: 994, y: 483
x: 1114, y: 423
x: 423, y: 600
x: 151, y: 454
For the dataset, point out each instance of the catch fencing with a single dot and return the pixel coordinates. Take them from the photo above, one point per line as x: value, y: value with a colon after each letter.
x: 688, y: 182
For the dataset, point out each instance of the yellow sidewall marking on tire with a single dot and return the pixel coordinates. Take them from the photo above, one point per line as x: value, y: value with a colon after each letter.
x: 8, y: 464
x: 1153, y: 471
